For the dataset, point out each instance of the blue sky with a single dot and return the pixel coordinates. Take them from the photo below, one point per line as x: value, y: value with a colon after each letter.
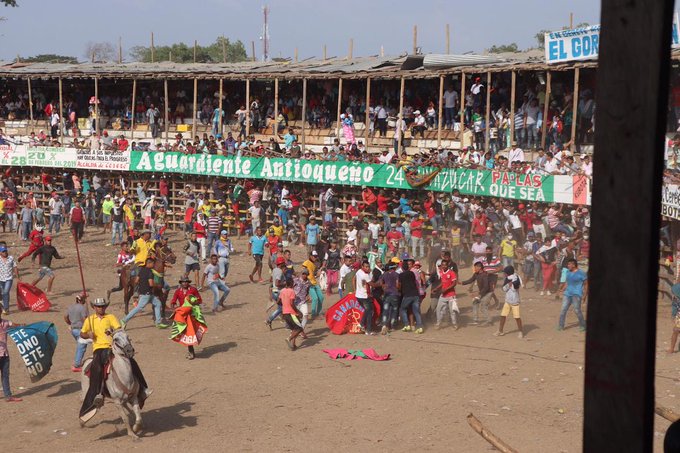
x: 64, y: 27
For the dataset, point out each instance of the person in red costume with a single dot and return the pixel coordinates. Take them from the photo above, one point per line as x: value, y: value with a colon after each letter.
x: 36, y: 239
x: 185, y: 289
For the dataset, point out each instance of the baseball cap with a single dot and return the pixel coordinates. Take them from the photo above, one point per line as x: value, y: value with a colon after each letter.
x: 223, y: 232
x: 48, y: 238
x: 305, y: 271
x: 280, y: 260
x: 314, y: 253
x: 3, y: 248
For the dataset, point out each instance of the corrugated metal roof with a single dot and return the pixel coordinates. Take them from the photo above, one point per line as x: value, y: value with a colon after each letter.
x: 441, y: 61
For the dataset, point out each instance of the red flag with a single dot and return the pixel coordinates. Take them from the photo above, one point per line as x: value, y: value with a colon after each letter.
x: 345, y: 315
x: 31, y: 298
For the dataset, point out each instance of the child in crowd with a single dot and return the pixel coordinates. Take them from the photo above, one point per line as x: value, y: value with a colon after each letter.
x: 291, y: 315
x: 511, y: 287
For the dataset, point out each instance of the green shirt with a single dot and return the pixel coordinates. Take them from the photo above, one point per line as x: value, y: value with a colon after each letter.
x: 107, y: 206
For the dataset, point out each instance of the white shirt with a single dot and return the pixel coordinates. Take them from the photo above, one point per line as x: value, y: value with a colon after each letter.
x: 375, y: 229
x: 361, y: 279
x: 352, y: 235
x: 516, y: 154
x: 450, y: 99
x: 588, y: 168
x: 476, y: 88
x: 387, y: 158
x: 550, y: 166
x: 344, y: 270
x: 419, y: 120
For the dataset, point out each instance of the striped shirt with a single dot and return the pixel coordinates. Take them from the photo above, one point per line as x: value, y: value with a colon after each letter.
x: 214, y: 224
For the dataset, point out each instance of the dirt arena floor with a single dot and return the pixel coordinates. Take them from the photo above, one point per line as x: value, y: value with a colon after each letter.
x: 247, y: 392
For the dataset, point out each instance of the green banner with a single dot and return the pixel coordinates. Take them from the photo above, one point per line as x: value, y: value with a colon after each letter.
x: 468, y: 182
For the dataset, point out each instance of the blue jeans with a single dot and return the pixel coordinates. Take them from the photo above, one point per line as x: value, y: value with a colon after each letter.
x: 55, y: 222
x: 567, y: 301
x: 212, y: 238
x: 4, y: 369
x: 390, y: 310
x: 449, y: 116
x: 414, y: 303
x: 386, y: 221
x: 144, y: 299
x: 217, y: 286
x: 116, y: 232
x: 80, y: 348
x: 6, y: 288
x: 532, y: 135
x: 316, y: 295
x: 507, y: 261
x: 223, y: 264
x: 25, y: 230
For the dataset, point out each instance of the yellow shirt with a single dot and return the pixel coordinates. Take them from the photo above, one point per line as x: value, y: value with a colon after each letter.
x: 99, y: 326
x: 455, y: 237
x: 278, y: 230
x: 311, y: 267
x: 129, y: 213
x: 142, y: 249
x: 508, y: 247
x: 2, y: 206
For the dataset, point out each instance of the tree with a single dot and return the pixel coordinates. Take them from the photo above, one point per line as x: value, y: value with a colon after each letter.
x: 540, y: 36
x: 49, y: 58
x: 504, y: 48
x: 99, y: 51
x: 9, y: 2
x: 183, y: 53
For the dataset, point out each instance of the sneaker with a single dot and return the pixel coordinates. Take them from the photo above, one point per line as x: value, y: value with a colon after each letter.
x: 406, y: 329
x: 498, y: 333
x: 559, y: 328
x: 455, y: 327
x: 542, y: 293
x: 474, y: 323
x: 419, y: 330
x: 269, y: 324
x: 520, y: 335
x: 190, y: 356
x: 548, y: 293
x: 13, y: 399
x: 383, y: 331
x: 161, y: 325
x: 581, y: 329
x: 98, y: 401
x: 76, y: 369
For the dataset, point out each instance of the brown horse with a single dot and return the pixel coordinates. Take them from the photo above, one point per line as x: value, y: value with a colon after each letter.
x: 164, y: 257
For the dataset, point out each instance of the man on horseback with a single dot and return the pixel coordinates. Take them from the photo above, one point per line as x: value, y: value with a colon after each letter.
x: 99, y: 327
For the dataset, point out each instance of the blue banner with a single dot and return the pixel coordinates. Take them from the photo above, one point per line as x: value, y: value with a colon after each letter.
x: 36, y: 344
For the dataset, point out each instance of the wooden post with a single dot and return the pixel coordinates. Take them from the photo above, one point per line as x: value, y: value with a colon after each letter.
x: 574, y: 108
x: 120, y: 50
x: 440, y: 107
x: 30, y: 103
x: 304, y: 112
x: 252, y: 48
x: 324, y: 52
x: 220, y: 127
x: 487, y: 128
x: 513, y: 83
x: 351, y: 49
x: 337, y: 122
x: 61, y: 111
x: 193, y: 123
x: 96, y: 106
x: 134, y: 106
x: 462, y: 110
x: 166, y: 108
x: 195, y: 45
x: 571, y: 21
x: 275, y: 126
x: 400, y: 118
x: 368, y: 110
x: 448, y: 40
x: 633, y: 70
x: 546, y: 108
x: 248, y: 105
x: 415, y: 39
x: 153, y: 50
x: 296, y: 55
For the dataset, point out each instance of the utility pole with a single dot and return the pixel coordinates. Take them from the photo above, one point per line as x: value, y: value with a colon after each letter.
x: 265, y: 34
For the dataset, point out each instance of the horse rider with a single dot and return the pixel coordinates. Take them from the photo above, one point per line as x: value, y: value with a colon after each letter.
x: 99, y: 327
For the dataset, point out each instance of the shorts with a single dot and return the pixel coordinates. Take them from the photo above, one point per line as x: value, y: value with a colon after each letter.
x: 46, y: 272
x: 106, y: 218
x: 258, y: 259
x: 507, y: 308
x: 292, y: 322
x: 188, y: 227
x: 191, y: 267
x: 303, y: 307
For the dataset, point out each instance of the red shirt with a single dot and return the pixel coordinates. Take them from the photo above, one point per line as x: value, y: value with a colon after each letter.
x: 368, y: 196
x: 122, y: 144
x: 181, y: 294
x: 188, y: 215
x: 449, y: 280
x: 199, y: 229
x: 393, y: 237
x: 429, y: 209
x: 273, y: 242
x: 36, y: 238
x: 163, y: 188
x: 417, y: 228
x: 77, y: 215
x: 382, y: 203
x: 10, y: 206
x: 479, y: 225
x: 528, y: 219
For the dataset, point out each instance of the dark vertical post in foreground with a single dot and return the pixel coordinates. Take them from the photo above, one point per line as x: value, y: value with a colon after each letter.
x: 632, y: 92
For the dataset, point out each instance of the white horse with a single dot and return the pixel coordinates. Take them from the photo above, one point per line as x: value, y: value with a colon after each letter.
x: 122, y: 385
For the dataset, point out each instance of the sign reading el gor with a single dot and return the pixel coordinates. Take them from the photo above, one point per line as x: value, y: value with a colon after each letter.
x: 583, y: 43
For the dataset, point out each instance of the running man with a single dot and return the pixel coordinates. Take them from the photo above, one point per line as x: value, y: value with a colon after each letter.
x: 46, y: 252
x: 256, y: 250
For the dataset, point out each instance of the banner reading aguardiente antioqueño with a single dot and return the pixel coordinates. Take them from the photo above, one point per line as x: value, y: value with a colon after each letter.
x: 468, y: 182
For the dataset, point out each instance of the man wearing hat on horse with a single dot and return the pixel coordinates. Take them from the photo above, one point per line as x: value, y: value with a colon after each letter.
x: 99, y: 328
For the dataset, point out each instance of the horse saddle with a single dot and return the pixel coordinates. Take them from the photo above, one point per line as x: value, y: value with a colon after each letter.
x: 107, y: 367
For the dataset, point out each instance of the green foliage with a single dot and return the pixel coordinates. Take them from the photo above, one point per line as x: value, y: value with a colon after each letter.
x: 49, y: 58
x: 504, y: 48
x: 9, y: 2
x: 183, y: 53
